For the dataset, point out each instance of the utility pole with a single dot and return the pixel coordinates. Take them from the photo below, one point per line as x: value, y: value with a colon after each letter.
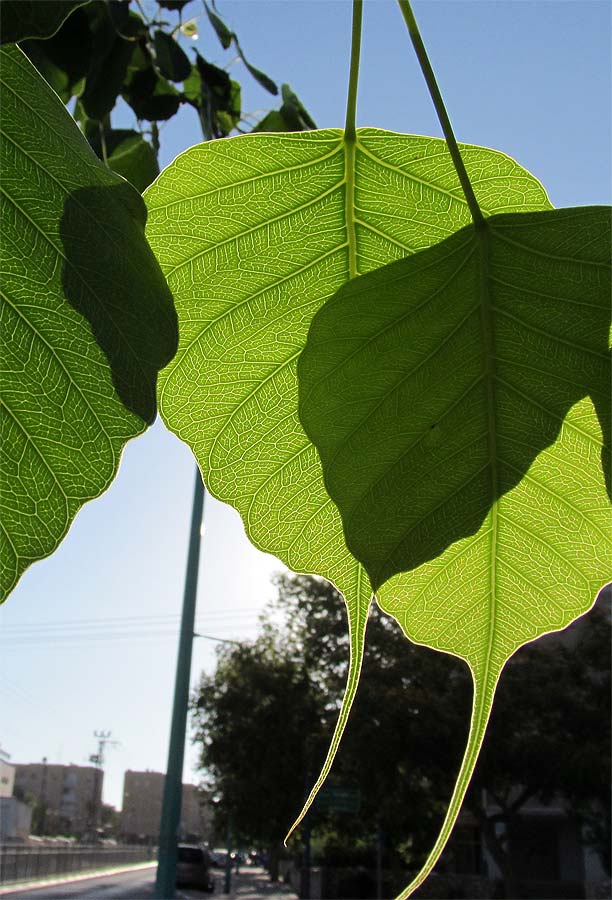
x: 42, y: 825
x: 98, y: 760
x: 173, y: 785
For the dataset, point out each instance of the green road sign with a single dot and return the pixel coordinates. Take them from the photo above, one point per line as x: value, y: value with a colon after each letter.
x: 339, y: 799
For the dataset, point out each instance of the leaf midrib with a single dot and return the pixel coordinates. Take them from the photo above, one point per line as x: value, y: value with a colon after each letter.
x: 482, y: 235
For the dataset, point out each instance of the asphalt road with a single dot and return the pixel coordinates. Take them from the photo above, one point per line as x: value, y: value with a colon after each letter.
x: 124, y: 886
x: 252, y: 883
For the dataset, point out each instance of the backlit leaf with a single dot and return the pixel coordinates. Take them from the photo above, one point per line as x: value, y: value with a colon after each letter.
x: 254, y: 234
x: 460, y: 403
x: 87, y: 319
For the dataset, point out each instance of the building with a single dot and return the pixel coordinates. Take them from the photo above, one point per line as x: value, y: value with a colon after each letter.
x: 67, y: 798
x: 142, y: 804
x: 7, y: 777
x: 15, y: 816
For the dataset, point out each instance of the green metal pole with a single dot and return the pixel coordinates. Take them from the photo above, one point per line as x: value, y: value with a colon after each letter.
x: 171, y: 806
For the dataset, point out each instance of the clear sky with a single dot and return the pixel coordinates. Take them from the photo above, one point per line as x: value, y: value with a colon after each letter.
x: 88, y: 638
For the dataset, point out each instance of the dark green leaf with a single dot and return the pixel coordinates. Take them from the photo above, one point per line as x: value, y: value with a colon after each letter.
x: 294, y: 111
x: 21, y: 19
x: 224, y: 34
x: 257, y: 74
x: 172, y: 61
x: 87, y: 319
x: 274, y: 122
x: 64, y: 59
x: 151, y: 96
x: 292, y: 116
x: 128, y: 154
x: 135, y: 159
x: 192, y: 86
x: 229, y: 118
x: 219, y: 102
x: 175, y: 5
x: 430, y: 386
x: 109, y: 63
x: 216, y: 79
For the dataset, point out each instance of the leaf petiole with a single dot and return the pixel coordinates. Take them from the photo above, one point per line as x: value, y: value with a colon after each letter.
x: 351, y: 103
x: 438, y: 102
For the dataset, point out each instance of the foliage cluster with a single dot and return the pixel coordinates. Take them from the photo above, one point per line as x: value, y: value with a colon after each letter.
x: 106, y: 52
x: 411, y: 711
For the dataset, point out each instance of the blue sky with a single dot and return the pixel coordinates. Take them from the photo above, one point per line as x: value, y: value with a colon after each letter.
x: 88, y: 637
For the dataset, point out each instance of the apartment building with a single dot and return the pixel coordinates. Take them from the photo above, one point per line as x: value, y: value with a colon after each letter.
x: 142, y: 805
x: 68, y: 797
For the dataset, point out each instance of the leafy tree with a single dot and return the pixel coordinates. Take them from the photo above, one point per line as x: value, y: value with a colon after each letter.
x: 411, y: 712
x: 551, y: 742
x: 253, y: 718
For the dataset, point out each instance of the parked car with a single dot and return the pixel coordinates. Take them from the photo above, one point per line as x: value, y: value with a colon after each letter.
x: 193, y: 866
x: 219, y: 857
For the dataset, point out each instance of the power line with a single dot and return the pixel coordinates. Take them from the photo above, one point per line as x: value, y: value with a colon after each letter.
x: 81, y: 640
x: 129, y: 620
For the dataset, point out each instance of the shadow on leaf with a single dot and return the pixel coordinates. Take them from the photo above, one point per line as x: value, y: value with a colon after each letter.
x: 111, y: 277
x: 430, y: 385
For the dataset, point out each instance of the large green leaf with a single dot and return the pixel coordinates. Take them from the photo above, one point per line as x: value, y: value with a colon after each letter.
x: 254, y: 234
x: 20, y: 19
x: 454, y: 397
x: 87, y: 319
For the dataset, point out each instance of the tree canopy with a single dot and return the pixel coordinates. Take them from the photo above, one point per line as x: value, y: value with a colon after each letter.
x: 271, y: 704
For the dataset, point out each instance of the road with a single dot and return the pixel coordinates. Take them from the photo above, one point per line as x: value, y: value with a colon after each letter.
x: 122, y: 886
x: 252, y: 883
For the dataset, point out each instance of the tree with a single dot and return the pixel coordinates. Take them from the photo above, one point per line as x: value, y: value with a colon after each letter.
x: 411, y: 713
x: 549, y: 738
x: 255, y: 718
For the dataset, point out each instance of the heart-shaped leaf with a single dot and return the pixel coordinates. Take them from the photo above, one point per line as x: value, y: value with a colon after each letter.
x: 172, y: 60
x: 454, y: 397
x: 87, y: 319
x: 254, y: 234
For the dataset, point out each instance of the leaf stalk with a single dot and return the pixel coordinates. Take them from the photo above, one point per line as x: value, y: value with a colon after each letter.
x: 438, y: 102
x: 351, y: 103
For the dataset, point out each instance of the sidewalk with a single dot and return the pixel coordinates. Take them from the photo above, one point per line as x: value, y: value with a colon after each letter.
x: 253, y: 883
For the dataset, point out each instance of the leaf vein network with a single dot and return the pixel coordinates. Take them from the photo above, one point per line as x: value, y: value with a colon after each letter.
x: 527, y: 476
x: 260, y: 226
x: 397, y: 320
x: 54, y: 354
x: 234, y: 307
x: 230, y: 186
x: 251, y: 394
x: 433, y: 510
x: 39, y: 453
x: 553, y: 415
x: 415, y: 443
x: 554, y: 337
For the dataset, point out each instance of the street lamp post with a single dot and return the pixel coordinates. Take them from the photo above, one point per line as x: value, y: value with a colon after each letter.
x: 173, y: 785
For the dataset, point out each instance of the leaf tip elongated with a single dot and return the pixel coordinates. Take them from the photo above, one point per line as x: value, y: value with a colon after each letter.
x: 358, y: 617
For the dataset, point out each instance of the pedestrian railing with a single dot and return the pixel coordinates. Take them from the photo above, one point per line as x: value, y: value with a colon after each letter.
x: 27, y: 863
